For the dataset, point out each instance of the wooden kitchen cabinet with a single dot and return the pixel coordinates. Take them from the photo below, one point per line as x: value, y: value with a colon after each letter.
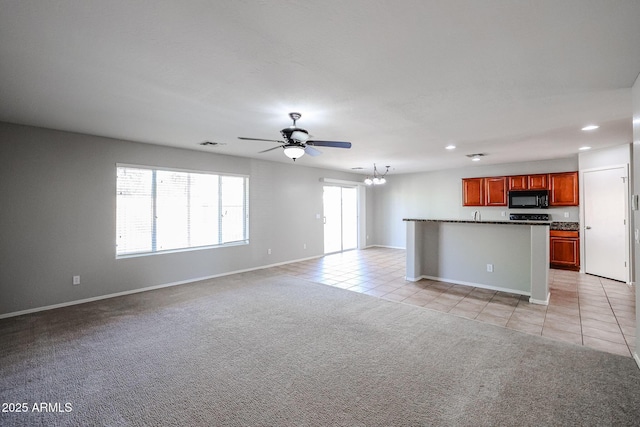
x: 492, y: 191
x: 529, y: 182
x: 563, y: 189
x: 484, y: 191
x: 473, y: 192
x: 518, y: 182
x: 495, y: 190
x: 538, y: 182
x: 564, y: 249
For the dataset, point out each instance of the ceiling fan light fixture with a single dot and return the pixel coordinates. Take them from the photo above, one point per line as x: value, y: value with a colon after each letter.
x: 293, y: 151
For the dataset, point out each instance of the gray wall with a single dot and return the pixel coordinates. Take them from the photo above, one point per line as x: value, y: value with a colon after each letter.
x: 438, y: 195
x: 57, y: 217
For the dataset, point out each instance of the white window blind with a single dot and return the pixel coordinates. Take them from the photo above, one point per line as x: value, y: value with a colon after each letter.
x: 163, y: 210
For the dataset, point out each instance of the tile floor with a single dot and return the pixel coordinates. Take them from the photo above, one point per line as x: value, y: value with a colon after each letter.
x: 584, y: 310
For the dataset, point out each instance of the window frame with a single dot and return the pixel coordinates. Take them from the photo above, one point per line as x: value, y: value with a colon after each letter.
x: 154, y: 250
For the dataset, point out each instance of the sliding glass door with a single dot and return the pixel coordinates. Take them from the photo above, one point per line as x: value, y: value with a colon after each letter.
x: 340, y: 218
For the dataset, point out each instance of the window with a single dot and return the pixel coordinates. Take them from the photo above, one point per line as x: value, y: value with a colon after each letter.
x: 162, y: 210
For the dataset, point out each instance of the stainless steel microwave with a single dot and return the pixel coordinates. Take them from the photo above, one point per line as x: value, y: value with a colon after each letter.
x: 529, y: 199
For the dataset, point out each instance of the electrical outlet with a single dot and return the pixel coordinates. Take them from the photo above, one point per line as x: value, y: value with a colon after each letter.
x: 566, y: 214
x: 269, y: 251
x: 304, y: 246
x: 76, y: 280
x: 490, y: 268
x: 503, y: 213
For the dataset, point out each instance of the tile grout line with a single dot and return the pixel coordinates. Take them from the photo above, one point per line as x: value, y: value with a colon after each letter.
x: 614, y: 315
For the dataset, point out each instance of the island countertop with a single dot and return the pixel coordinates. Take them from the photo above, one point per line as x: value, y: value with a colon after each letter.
x: 464, y: 221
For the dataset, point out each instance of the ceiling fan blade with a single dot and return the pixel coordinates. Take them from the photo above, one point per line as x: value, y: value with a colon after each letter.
x: 260, y: 139
x: 312, y: 151
x: 270, y: 149
x: 336, y: 144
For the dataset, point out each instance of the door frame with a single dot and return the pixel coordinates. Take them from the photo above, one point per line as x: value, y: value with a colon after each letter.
x: 627, y: 215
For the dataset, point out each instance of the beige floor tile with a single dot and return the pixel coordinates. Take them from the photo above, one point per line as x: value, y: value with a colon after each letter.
x: 527, y: 306
x: 419, y: 299
x: 492, y: 319
x: 561, y: 318
x: 468, y: 304
x: 562, y: 335
x: 521, y: 326
x: 464, y: 312
x: 603, y: 335
x: 394, y: 297
x: 563, y: 311
x: 434, y: 305
x: 571, y: 327
x: 610, y: 347
x: 406, y: 291
x: 600, y: 317
x: 628, y: 330
x: 532, y: 317
x: 603, y: 326
x: 498, y: 310
x: 375, y: 292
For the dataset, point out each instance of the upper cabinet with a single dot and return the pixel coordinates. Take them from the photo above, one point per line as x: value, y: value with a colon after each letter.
x: 484, y: 191
x: 492, y: 191
x: 538, y: 182
x: 518, y: 182
x: 495, y: 190
x: 473, y: 192
x: 529, y: 182
x: 563, y: 189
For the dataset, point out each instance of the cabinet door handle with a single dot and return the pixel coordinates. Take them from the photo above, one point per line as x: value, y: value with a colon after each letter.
x: 587, y: 228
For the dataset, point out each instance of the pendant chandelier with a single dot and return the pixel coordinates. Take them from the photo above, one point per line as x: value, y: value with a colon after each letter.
x: 377, y: 178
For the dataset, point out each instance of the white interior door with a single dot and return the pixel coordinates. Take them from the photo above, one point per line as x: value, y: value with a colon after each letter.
x: 605, y: 223
x: 340, y: 218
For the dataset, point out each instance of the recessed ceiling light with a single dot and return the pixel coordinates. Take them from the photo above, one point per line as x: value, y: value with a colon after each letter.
x: 584, y: 148
x: 591, y: 127
x: 450, y: 147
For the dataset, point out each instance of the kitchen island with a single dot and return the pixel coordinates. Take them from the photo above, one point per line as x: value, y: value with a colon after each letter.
x: 509, y: 256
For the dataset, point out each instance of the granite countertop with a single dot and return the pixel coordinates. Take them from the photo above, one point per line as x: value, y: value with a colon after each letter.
x: 511, y: 222
x: 565, y: 226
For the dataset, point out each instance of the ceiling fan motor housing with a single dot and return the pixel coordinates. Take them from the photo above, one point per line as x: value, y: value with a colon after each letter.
x: 295, y: 134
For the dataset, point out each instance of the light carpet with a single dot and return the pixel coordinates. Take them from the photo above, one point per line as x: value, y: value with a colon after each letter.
x: 248, y: 351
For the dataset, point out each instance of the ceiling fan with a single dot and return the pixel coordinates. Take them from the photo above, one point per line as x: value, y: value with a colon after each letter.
x: 296, y: 141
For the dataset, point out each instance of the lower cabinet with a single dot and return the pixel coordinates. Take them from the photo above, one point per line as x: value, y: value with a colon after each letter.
x: 564, y: 249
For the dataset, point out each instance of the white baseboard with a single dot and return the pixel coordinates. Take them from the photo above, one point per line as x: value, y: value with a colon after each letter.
x: 636, y: 358
x: 145, y: 289
x: 387, y: 246
x: 473, y: 284
x: 541, y: 302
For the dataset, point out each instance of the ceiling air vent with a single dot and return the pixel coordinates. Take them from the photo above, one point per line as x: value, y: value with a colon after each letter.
x: 476, y: 157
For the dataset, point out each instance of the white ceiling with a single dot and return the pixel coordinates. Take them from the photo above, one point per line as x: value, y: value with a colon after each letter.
x: 399, y: 79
